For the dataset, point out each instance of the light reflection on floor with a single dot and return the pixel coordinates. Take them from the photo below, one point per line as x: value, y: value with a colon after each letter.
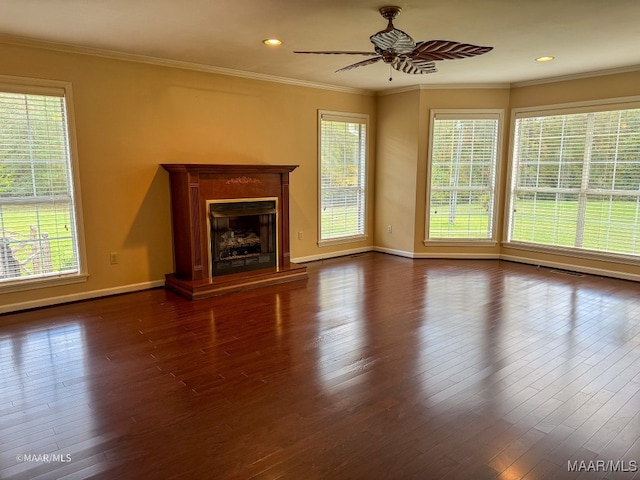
x: 49, y: 374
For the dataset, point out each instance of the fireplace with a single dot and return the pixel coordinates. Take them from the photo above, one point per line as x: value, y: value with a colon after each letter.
x: 230, y: 228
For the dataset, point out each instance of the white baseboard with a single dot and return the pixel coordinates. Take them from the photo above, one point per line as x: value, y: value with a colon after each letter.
x: 46, y: 302
x: 573, y: 268
x: 325, y: 256
x: 460, y: 256
x: 453, y: 256
x: 393, y: 251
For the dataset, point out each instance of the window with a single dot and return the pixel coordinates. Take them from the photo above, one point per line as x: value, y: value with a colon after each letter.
x: 342, y: 175
x: 39, y: 241
x: 462, y: 175
x: 575, y: 182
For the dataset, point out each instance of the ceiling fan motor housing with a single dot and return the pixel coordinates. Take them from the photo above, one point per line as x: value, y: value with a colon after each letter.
x: 390, y: 13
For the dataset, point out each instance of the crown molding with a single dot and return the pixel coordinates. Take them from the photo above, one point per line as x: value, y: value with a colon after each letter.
x: 163, y: 62
x: 526, y: 83
x: 465, y: 86
x: 393, y: 91
x: 198, y: 67
x: 442, y: 86
x: 576, y: 76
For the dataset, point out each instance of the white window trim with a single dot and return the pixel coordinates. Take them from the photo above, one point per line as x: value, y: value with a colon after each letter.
x: 465, y: 114
x: 342, y: 117
x: 560, y: 109
x: 53, y: 87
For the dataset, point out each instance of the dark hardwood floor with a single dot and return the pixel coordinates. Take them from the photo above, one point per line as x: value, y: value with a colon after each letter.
x: 377, y: 367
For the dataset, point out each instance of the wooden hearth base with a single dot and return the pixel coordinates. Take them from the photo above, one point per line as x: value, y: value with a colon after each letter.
x: 235, y: 282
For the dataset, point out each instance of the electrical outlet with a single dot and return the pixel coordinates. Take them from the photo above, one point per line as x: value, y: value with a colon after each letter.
x: 113, y: 258
x: 300, y: 236
x: 389, y: 229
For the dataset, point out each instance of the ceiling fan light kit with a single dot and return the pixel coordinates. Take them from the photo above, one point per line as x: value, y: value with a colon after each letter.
x: 398, y: 49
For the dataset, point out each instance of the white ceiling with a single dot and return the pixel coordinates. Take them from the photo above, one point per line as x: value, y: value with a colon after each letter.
x: 584, y: 35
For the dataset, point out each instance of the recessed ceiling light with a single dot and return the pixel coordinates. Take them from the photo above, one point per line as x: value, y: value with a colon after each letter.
x: 272, y: 42
x: 544, y: 59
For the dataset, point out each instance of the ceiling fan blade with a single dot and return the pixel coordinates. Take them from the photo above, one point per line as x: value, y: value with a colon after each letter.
x: 416, y: 66
x: 446, y: 50
x: 341, y: 53
x: 394, y: 39
x: 368, y: 61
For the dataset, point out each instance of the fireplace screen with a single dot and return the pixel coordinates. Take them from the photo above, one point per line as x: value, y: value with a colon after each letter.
x: 243, y: 236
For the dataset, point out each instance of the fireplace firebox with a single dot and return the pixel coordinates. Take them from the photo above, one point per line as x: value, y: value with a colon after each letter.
x: 230, y: 228
x: 243, y: 235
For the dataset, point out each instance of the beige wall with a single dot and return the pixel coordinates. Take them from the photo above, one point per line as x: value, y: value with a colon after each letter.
x: 396, y: 169
x: 131, y: 117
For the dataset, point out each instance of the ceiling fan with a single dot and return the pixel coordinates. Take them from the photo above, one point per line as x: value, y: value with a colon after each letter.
x: 397, y: 48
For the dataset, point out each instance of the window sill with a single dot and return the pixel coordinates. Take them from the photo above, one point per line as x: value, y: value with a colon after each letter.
x: 44, y: 282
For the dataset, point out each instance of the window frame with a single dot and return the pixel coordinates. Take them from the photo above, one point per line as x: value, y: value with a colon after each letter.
x: 32, y: 86
x: 363, y: 119
x: 595, y: 106
x: 465, y: 114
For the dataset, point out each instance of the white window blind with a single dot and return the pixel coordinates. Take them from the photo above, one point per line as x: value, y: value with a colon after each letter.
x: 38, y: 232
x: 576, y: 181
x: 462, y: 176
x: 343, y: 163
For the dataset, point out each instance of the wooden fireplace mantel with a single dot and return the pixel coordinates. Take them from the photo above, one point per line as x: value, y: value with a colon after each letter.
x: 192, y: 185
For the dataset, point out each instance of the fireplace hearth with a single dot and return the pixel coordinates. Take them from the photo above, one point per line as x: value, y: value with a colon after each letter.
x: 230, y: 228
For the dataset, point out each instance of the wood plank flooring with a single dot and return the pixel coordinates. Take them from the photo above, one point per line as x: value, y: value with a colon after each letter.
x: 377, y: 367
